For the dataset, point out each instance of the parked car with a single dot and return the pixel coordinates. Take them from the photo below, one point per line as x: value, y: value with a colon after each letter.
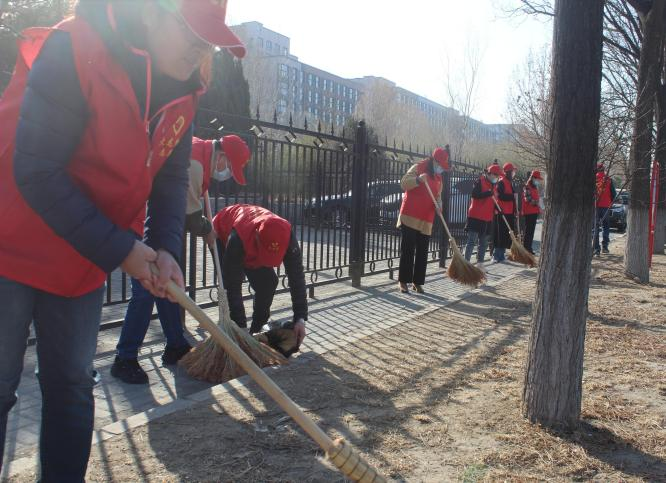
x: 335, y: 210
x: 617, y: 216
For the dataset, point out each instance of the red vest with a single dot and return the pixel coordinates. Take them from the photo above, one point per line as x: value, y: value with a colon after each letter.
x: 482, y: 208
x: 417, y: 202
x: 114, y: 164
x: 246, y: 220
x: 202, y: 152
x: 604, y: 198
x: 507, y: 207
x: 529, y: 209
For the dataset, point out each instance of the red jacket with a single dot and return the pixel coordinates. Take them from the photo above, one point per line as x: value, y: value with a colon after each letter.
x: 202, y: 152
x: 508, y: 207
x: 482, y: 208
x: 604, y: 196
x: 416, y: 202
x: 246, y: 221
x: 530, y: 200
x: 114, y: 165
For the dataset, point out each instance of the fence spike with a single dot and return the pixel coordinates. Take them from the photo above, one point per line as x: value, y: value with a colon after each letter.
x: 332, y: 130
x: 319, y: 126
x: 305, y: 124
x: 291, y: 119
x: 257, y: 113
x: 275, y: 116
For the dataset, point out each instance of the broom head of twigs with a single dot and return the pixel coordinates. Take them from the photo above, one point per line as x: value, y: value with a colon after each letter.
x: 462, y: 271
x: 211, y: 363
x: 520, y: 254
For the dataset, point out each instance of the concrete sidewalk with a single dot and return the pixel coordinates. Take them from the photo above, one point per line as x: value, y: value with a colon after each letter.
x: 339, y: 315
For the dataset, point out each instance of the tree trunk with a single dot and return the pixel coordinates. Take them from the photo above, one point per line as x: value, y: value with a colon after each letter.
x: 660, y: 155
x: 636, y: 257
x: 553, y: 378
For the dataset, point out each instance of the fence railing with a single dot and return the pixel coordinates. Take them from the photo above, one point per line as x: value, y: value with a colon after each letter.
x: 340, y: 192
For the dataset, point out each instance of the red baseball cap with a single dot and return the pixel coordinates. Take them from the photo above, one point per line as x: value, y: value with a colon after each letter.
x: 508, y: 167
x: 495, y: 169
x: 273, y: 236
x: 441, y: 155
x: 600, y: 167
x: 238, y: 154
x: 536, y: 174
x: 206, y: 18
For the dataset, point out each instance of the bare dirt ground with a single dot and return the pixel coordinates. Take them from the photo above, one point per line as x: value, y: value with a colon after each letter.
x: 437, y: 399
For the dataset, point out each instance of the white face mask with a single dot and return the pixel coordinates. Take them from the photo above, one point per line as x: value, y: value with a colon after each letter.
x: 223, y: 175
x: 536, y: 183
x: 439, y: 169
x: 493, y: 180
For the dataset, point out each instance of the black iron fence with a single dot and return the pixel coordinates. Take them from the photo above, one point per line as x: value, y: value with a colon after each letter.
x: 340, y: 192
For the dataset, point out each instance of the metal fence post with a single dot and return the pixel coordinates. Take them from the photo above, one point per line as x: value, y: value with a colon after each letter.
x: 359, y: 203
x: 446, y: 208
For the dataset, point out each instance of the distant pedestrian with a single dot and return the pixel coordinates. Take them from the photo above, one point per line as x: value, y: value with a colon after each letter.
x: 605, y: 195
x: 417, y: 214
x: 480, y: 213
x: 506, y: 199
x: 531, y: 207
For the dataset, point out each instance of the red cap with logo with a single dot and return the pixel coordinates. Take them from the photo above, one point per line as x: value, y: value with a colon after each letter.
x: 536, y: 174
x: 273, y: 239
x: 206, y: 18
x: 495, y: 169
x: 238, y: 154
x: 508, y: 167
x: 441, y: 155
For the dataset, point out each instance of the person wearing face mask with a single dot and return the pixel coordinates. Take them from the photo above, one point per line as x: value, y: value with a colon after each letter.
x: 506, y: 199
x: 221, y: 160
x: 417, y: 214
x: 480, y: 212
x: 531, y: 208
x: 96, y: 125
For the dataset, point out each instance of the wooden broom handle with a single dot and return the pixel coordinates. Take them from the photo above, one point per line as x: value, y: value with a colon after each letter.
x: 222, y: 302
x: 441, y: 217
x: 503, y: 217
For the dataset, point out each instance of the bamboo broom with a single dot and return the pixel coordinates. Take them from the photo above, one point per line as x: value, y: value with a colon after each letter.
x: 518, y: 252
x: 339, y: 452
x: 211, y: 363
x: 459, y: 269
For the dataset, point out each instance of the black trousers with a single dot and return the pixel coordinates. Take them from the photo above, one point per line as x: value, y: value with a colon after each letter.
x: 264, y: 282
x: 413, y: 256
x: 530, y: 225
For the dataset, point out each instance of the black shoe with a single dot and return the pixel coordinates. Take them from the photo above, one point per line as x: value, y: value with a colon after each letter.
x: 173, y: 354
x: 597, y: 253
x: 129, y: 371
x: 605, y: 250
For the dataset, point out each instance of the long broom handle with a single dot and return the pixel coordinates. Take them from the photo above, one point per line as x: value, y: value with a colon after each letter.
x: 441, y: 217
x: 248, y: 365
x: 503, y: 217
x: 222, y: 302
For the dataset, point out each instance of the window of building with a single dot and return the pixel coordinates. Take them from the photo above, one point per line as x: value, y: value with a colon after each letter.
x: 269, y: 45
x: 261, y: 43
x: 285, y: 51
x: 284, y: 71
x: 310, y: 80
x: 282, y: 106
x: 316, y: 98
x: 316, y: 82
x: 309, y: 96
x: 276, y: 48
x: 330, y: 102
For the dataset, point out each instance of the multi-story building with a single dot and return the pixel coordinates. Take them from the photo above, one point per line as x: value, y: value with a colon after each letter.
x: 281, y: 84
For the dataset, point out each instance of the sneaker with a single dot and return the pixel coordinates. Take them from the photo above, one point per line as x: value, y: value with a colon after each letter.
x: 605, y: 250
x: 403, y: 287
x: 129, y: 371
x: 417, y: 288
x: 597, y: 253
x: 173, y: 354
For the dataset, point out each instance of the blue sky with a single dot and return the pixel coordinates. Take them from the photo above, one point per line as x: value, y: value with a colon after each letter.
x: 406, y: 42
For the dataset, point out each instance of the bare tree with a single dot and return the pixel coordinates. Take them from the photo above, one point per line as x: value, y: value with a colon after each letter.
x: 553, y: 380
x: 653, y: 25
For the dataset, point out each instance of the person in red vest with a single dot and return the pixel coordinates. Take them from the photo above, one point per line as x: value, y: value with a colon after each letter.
x: 530, y: 207
x: 417, y: 214
x: 605, y: 195
x: 96, y: 121
x: 480, y: 212
x: 222, y: 160
x: 252, y: 242
x: 506, y: 199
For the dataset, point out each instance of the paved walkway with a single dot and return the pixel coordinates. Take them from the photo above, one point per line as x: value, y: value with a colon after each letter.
x: 339, y: 314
